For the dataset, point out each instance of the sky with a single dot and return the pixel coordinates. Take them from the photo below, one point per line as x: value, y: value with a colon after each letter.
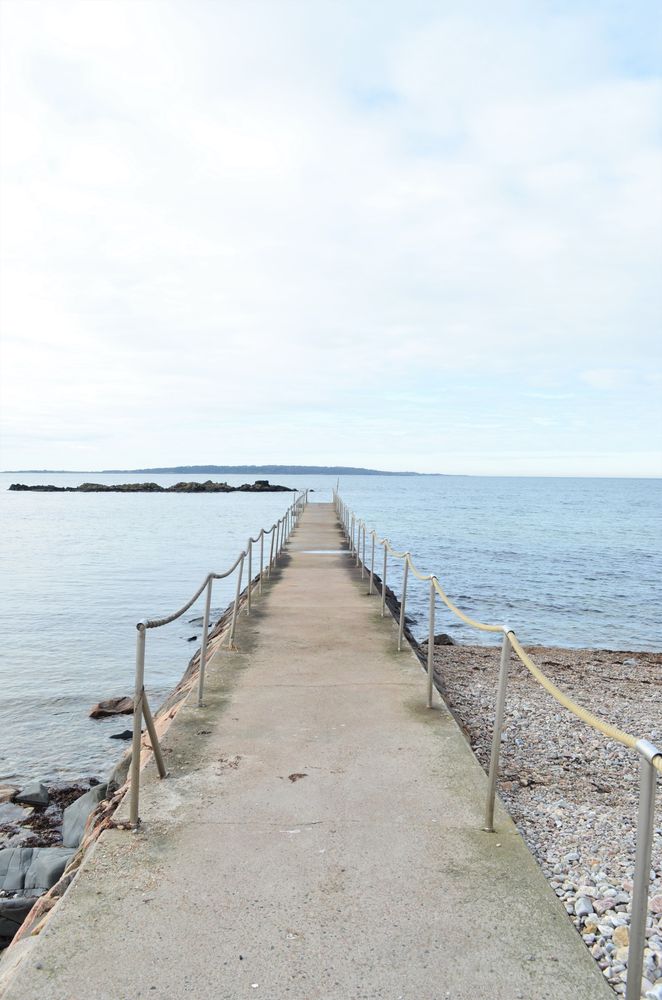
x: 402, y: 235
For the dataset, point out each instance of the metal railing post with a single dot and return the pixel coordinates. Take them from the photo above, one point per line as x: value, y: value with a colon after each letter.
x: 203, y: 647
x: 271, y: 550
x: 134, y: 818
x: 401, y: 627
x: 153, y: 738
x: 430, y: 682
x: 261, y: 557
x: 358, y: 542
x: 236, y: 600
x: 384, y: 581
x: 496, y: 734
x: 372, y: 565
x: 642, y: 867
x: 250, y: 576
x: 276, y: 548
x: 363, y: 558
x: 351, y: 541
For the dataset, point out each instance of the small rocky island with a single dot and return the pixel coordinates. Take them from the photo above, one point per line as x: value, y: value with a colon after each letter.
x: 259, y: 486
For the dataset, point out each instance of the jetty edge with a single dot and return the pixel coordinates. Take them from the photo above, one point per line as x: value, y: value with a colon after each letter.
x: 318, y: 834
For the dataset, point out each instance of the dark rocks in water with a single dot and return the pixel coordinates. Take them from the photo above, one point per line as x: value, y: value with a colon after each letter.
x: 34, y: 794
x: 192, y: 638
x: 122, y: 488
x: 41, y: 825
x: 259, y: 486
x: 112, y: 706
x: 206, y: 487
x: 126, y: 734
x: 264, y: 486
x: 76, y: 815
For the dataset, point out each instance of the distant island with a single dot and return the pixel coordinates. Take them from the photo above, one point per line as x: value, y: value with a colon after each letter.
x: 235, y: 470
x: 259, y: 486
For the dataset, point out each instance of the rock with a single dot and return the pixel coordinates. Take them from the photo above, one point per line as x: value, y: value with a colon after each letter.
x: 192, y: 638
x: 112, y: 706
x: 442, y: 639
x: 13, y: 911
x: 656, y: 904
x: 260, y: 486
x: 7, y: 793
x: 14, y: 812
x: 583, y: 907
x: 34, y: 794
x: 621, y: 936
x: 126, y: 734
x: 655, y: 993
x: 76, y: 815
x: 32, y: 870
x: 28, y: 872
x: 602, y: 905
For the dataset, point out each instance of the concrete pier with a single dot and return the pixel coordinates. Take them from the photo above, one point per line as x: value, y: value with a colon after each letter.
x: 318, y: 837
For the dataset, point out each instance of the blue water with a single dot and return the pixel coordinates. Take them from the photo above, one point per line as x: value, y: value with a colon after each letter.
x: 570, y: 562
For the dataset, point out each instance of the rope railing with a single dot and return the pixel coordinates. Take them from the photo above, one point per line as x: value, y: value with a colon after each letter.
x: 280, y: 532
x: 650, y: 756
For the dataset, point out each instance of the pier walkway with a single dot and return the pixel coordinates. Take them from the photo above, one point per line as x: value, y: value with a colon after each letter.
x: 318, y: 837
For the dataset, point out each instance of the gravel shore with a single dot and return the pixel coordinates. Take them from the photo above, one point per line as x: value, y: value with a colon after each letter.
x: 572, y: 793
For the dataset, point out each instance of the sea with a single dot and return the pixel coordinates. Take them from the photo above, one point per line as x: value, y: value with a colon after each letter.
x: 565, y: 562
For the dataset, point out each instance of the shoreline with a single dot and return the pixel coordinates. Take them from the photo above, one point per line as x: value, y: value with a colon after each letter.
x: 571, y: 792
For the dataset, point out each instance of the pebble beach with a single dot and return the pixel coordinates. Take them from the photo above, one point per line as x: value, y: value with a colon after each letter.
x: 573, y: 793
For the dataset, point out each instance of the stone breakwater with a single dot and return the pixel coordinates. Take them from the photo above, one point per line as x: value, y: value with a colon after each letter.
x: 259, y: 486
x: 573, y: 793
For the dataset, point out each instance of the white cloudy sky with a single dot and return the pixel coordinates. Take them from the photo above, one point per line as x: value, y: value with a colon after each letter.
x: 422, y: 235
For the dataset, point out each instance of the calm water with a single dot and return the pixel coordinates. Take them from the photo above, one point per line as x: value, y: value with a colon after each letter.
x: 569, y: 562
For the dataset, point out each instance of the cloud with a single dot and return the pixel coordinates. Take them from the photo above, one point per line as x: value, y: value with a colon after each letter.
x: 219, y: 212
x: 605, y: 378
